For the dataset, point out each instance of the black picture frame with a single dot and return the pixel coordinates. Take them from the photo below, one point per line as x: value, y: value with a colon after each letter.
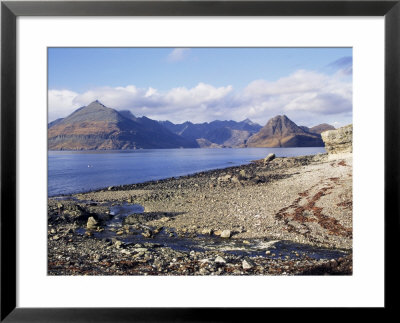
x: 10, y: 10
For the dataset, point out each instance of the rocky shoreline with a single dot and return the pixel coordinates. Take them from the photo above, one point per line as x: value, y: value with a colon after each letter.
x: 256, y: 219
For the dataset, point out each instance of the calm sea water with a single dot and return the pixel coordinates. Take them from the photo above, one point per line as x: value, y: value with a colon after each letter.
x: 77, y: 171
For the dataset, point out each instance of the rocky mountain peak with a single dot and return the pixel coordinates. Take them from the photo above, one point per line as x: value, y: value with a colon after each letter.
x: 96, y: 105
x: 280, y: 131
x: 281, y: 125
x: 95, y: 111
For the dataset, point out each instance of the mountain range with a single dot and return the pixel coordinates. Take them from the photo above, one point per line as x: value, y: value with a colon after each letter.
x: 96, y: 126
x: 216, y: 133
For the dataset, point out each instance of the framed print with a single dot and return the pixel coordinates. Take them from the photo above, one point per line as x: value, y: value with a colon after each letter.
x: 182, y: 154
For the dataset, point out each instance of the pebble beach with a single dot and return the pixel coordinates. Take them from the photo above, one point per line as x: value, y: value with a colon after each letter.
x: 278, y: 216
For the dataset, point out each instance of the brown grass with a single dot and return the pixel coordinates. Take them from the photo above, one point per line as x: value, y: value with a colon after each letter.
x: 83, y: 128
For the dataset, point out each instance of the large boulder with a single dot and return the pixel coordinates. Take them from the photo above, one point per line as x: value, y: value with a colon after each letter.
x: 269, y: 158
x: 339, y: 141
x: 67, y: 213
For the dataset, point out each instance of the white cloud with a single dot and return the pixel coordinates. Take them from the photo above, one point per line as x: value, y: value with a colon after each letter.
x: 61, y: 103
x: 178, y: 54
x: 299, y: 82
x: 150, y: 92
x: 201, y: 94
x: 303, y: 95
x: 307, y: 97
x: 176, y: 104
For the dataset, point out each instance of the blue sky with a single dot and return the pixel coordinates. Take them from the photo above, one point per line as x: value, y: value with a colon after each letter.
x: 309, y: 85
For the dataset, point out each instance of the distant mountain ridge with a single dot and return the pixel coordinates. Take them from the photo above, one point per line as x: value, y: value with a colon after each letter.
x: 321, y: 128
x: 96, y: 126
x: 223, y: 133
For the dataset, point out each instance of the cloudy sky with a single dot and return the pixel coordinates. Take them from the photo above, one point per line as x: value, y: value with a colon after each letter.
x: 309, y: 85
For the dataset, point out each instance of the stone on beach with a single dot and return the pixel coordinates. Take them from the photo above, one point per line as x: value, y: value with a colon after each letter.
x: 247, y: 264
x: 269, y: 158
x: 220, y: 260
x: 207, y: 231
x: 203, y: 271
x: 226, y: 234
x: 225, y: 178
x: 147, y: 233
x: 118, y: 244
x: 91, y: 223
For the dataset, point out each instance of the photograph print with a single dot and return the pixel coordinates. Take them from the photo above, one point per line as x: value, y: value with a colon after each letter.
x: 199, y: 161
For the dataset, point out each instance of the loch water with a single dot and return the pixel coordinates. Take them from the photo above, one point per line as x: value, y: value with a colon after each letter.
x: 81, y: 171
